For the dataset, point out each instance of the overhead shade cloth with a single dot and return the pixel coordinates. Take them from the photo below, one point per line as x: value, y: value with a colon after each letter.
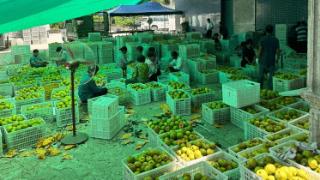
x: 17, y: 15
x: 148, y: 8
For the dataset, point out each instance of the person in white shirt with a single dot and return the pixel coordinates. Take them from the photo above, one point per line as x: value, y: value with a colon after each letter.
x: 209, y: 28
x: 153, y: 67
x: 176, y: 63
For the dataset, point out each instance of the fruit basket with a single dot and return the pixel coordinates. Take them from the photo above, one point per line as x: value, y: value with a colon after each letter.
x: 107, y: 128
x: 139, y: 93
x: 201, y: 170
x: 48, y: 87
x: 301, y: 124
x: 286, y: 115
x: 305, y: 160
x: 286, y: 82
x: 175, y: 85
x: 7, y: 107
x: 134, y: 168
x: 226, y: 164
x: 27, y: 99
x: 113, y: 74
x: 187, y: 51
x: 43, y: 110
x: 200, y: 96
x: 215, y: 112
x: 118, y: 89
x: 262, y: 126
x: 180, y: 77
x: 270, y: 106
x: 254, y: 151
x: 180, y: 137
x: 11, y: 119
x: 281, y: 136
x: 195, y: 151
x: 103, y: 107
x: 63, y: 113
x: 240, y: 115
x: 236, y: 149
x: 241, y: 93
x: 301, y: 106
x: 285, y: 101
x: 164, y: 125
x: 60, y: 93
x: 205, y: 77
x: 23, y: 134
x: 268, y: 95
x: 179, y: 102
x: 194, y: 66
x: 158, y: 91
x: 208, y: 61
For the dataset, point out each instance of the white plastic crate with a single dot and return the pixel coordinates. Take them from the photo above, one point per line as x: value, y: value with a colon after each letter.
x: 281, y: 85
x: 158, y: 94
x: 293, y: 124
x: 140, y: 97
x: 239, y: 116
x: 202, y: 167
x: 241, y: 93
x: 289, y: 131
x: 251, y: 131
x: 103, y: 107
x: 102, y: 128
x: 45, y: 111
x: 213, y: 116
x: 24, y: 138
x: 64, y: 115
x: 233, y: 174
x: 207, y: 78
x: 20, y: 103
x: 179, y: 106
x: 129, y: 175
x: 198, y: 99
x: 180, y: 77
x: 8, y: 112
x: 285, y: 109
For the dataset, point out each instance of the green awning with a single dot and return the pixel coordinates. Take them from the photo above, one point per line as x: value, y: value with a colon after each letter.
x: 17, y: 15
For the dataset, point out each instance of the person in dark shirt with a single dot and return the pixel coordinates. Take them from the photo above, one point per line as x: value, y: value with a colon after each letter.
x: 36, y: 61
x: 248, y: 54
x: 269, y: 51
x: 88, y: 88
x: 139, y: 51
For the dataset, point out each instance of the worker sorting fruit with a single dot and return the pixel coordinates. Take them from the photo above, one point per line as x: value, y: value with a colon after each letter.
x: 176, y: 63
x: 88, y: 88
x: 36, y: 61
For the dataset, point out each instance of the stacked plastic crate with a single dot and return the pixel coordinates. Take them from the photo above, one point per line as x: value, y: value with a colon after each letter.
x: 281, y: 34
x: 26, y: 36
x: 106, y: 117
x: 105, y: 52
x: 187, y: 51
x: 132, y: 52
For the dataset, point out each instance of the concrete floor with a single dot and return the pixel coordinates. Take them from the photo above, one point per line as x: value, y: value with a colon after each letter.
x: 101, y: 159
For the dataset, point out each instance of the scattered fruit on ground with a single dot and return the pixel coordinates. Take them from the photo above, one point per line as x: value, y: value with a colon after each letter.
x: 148, y: 160
x: 138, y: 86
x: 217, y: 105
x: 179, y: 137
x: 176, y: 85
x: 18, y: 125
x: 286, y: 76
x: 284, y: 101
x: 11, y: 119
x: 287, y: 114
x: 178, y: 94
x: 268, y: 94
x: 281, y: 135
x: 251, y: 110
x: 267, y: 124
x: 164, y: 125
x: 269, y: 105
x: 245, y: 145
x: 195, y: 150
x: 200, y: 91
x: 223, y: 164
x: 6, y: 105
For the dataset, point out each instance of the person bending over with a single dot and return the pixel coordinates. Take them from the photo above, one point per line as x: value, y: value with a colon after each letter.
x: 176, y: 63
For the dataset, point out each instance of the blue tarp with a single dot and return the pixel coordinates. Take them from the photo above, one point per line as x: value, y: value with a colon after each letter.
x: 148, y: 8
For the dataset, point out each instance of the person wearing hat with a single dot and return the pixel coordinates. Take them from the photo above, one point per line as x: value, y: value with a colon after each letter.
x: 88, y: 88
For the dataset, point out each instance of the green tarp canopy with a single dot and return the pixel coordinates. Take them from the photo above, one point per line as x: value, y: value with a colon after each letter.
x: 16, y: 15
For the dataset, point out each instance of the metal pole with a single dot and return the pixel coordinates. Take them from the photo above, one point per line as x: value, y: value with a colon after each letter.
x: 72, y: 103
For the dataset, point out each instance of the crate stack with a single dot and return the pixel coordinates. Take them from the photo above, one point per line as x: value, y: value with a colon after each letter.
x: 167, y: 48
x: 91, y: 52
x: 26, y: 34
x: 132, y: 52
x: 179, y: 106
x: 52, y: 50
x: 281, y: 31
x: 207, y: 46
x: 106, y: 117
x: 39, y: 35
x: 105, y: 52
x: 77, y: 49
x: 187, y: 51
x: 140, y: 94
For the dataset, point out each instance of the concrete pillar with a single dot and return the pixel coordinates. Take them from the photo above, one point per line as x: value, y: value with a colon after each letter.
x: 312, y: 94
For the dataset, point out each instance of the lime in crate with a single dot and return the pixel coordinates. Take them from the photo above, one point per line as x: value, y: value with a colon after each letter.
x: 301, y: 124
x: 255, y: 151
x: 118, y: 90
x: 209, y: 76
x: 309, y: 167
x: 268, y: 95
x: 200, y: 96
x: 282, y: 136
x: 28, y: 98
x: 226, y: 164
x: 239, y: 116
x: 285, y: 101
x: 270, y: 105
x: 238, y: 148
x: 43, y: 110
x: 107, y: 128
x: 158, y: 91
x: 241, y: 93
x: 180, y: 77
x: 262, y: 126
x: 301, y: 106
x: 286, y: 82
x: 215, y: 112
x: 7, y: 107
x: 63, y: 112
x: 187, y: 51
x: 179, y: 102
x: 140, y: 94
x: 135, y: 168
x: 23, y: 134
x: 286, y: 115
x: 201, y: 170
x: 175, y: 85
